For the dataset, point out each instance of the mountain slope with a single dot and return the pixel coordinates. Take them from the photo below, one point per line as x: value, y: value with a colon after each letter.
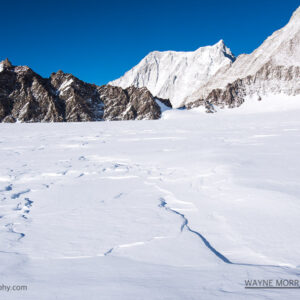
x: 27, y: 97
x: 272, y: 68
x: 175, y: 75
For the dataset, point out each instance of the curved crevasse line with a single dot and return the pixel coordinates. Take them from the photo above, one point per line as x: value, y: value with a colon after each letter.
x: 11, y: 229
x: 184, y: 225
x: 163, y: 204
x: 109, y: 251
x: 10, y: 252
x: 210, y: 247
x: 24, y: 206
x: 17, y: 195
x: 113, y: 249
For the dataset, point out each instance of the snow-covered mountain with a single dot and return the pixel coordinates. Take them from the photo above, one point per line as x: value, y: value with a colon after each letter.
x: 175, y: 75
x: 273, y: 68
x: 211, y: 76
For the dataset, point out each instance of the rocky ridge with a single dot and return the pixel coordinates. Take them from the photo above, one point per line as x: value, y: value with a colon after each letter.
x: 27, y: 97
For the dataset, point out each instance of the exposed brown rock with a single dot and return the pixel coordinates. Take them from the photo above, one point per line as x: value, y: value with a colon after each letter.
x: 27, y: 97
x: 268, y: 79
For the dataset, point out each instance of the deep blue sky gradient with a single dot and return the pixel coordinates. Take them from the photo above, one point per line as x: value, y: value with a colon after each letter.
x: 98, y: 41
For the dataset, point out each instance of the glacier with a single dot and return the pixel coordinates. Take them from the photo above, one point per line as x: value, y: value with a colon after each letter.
x: 185, y: 207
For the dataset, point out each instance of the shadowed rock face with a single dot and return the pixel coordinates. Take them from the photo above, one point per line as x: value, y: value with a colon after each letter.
x: 269, y: 79
x: 27, y: 97
x: 132, y: 103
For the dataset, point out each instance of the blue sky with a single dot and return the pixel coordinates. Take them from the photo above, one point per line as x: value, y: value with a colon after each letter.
x: 98, y: 41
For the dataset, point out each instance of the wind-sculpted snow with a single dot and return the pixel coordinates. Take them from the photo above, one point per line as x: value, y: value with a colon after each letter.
x: 151, y: 210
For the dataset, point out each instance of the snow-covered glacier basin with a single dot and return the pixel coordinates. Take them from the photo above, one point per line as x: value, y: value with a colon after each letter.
x: 187, y: 207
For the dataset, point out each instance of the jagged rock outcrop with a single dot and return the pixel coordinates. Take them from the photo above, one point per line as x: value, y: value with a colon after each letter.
x: 80, y: 101
x: 268, y: 80
x: 133, y: 103
x: 27, y: 97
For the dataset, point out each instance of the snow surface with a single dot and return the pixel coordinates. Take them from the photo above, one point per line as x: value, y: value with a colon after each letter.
x: 175, y: 75
x: 162, y: 106
x: 186, y: 207
x: 65, y: 84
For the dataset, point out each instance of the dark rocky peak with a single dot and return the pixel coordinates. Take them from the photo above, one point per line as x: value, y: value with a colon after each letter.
x: 27, y: 97
x: 128, y: 104
x: 81, y: 100
x: 66, y: 82
x: 5, y: 64
x: 60, y: 78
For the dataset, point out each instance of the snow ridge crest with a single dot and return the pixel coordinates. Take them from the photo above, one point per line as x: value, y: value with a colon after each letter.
x: 173, y: 74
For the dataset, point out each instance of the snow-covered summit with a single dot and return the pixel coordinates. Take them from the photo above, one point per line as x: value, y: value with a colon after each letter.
x: 213, y: 74
x: 280, y: 50
x: 175, y: 75
x: 296, y: 15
